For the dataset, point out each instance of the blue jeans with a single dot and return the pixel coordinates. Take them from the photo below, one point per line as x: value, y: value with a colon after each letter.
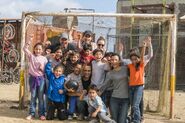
x: 136, y: 93
x: 72, y: 104
x: 106, y: 95
x: 119, y: 109
x: 37, y: 92
x: 45, y: 94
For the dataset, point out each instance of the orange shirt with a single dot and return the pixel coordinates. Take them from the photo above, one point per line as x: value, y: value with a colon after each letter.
x: 136, y: 77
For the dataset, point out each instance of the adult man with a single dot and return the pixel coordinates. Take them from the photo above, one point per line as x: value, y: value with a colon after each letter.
x: 64, y: 44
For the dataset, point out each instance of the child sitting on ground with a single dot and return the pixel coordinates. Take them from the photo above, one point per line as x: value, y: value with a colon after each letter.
x: 96, y: 107
x: 56, y: 92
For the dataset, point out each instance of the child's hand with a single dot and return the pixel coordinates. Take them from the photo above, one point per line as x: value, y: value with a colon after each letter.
x: 70, y: 90
x: 144, y: 44
x: 60, y: 91
x: 94, y: 114
x: 41, y: 67
x: 84, y: 92
x: 30, y: 38
x: 149, y: 41
x: 104, y: 60
x: 120, y: 47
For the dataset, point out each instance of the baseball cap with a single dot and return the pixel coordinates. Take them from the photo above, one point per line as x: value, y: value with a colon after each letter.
x: 64, y: 35
x: 88, y: 32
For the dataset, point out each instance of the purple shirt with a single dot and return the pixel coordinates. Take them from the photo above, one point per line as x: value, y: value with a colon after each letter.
x: 36, y: 63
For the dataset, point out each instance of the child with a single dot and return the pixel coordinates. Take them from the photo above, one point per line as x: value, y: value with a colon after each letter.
x: 36, y: 79
x: 136, y: 83
x: 73, y: 96
x: 55, y: 60
x: 57, y: 57
x: 86, y: 57
x: 70, y: 64
x: 87, y: 38
x: 96, y: 107
x: 98, y: 68
x: 47, y: 51
x: 107, y: 58
x: 56, y: 92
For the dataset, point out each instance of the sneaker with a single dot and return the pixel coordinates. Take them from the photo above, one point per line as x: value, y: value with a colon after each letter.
x: 80, y: 117
x: 86, y: 118
x: 142, y: 120
x: 30, y: 117
x: 70, y: 117
x: 94, y: 121
x: 42, y: 118
x: 74, y: 115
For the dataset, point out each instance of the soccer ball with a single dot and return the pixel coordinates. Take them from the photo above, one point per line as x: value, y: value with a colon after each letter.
x: 72, y: 84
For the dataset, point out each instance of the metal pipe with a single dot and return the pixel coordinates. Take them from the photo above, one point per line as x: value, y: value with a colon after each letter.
x: 173, y: 24
x: 126, y: 15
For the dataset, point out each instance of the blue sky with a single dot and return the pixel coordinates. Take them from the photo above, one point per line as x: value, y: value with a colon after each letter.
x: 14, y: 8
x: 99, y: 5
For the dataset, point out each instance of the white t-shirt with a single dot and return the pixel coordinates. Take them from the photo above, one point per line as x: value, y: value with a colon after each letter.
x: 98, y: 72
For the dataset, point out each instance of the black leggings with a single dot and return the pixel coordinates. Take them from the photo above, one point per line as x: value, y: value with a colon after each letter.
x: 61, y: 111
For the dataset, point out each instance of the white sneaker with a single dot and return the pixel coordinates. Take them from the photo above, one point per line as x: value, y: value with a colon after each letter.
x: 70, y: 117
x: 74, y: 115
x: 30, y: 117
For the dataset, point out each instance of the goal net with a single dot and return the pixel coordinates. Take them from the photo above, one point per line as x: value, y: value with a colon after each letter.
x: 127, y: 29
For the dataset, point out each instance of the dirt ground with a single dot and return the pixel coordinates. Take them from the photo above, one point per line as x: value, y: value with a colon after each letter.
x: 9, y: 113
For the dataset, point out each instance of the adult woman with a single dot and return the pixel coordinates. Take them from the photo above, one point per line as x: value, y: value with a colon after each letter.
x: 101, y: 44
x: 118, y: 79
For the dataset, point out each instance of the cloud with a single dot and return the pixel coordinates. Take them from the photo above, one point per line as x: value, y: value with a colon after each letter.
x: 14, y: 8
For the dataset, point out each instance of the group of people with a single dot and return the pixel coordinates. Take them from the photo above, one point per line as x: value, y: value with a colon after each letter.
x: 107, y: 84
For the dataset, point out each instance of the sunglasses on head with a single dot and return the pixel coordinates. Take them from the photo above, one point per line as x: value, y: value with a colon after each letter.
x: 101, y: 45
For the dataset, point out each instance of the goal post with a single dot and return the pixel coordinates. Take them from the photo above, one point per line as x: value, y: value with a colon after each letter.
x: 27, y: 17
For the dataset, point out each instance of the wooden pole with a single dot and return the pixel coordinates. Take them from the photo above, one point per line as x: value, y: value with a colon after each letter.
x: 22, y: 71
x: 162, y: 68
x: 173, y: 24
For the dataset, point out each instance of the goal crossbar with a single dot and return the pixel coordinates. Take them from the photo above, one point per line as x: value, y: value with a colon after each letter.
x: 125, y: 15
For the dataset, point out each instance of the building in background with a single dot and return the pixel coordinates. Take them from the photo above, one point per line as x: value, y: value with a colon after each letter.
x: 130, y: 31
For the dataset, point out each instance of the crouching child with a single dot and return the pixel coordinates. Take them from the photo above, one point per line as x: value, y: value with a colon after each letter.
x: 56, y: 92
x: 96, y: 107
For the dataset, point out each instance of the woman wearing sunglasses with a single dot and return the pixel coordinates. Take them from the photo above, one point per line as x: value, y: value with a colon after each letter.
x: 101, y: 44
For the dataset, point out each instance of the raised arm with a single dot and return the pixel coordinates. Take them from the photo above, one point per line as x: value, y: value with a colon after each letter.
x: 48, y: 69
x: 150, y: 51
x: 120, y: 50
x: 26, y: 47
x: 143, y: 52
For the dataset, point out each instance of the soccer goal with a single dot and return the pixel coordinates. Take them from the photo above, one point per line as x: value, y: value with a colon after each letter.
x: 117, y: 29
